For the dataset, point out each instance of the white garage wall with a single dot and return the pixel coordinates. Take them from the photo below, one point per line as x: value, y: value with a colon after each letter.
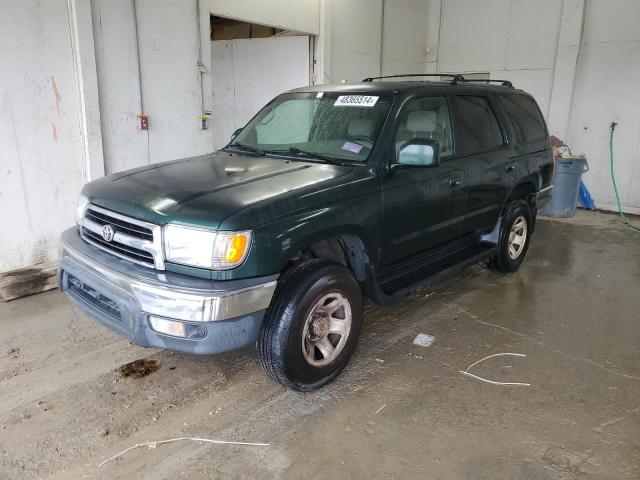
x: 363, y: 38
x: 169, y: 81
x: 352, y: 34
x: 607, y: 91
x: 404, y: 36
x: 41, y: 158
x: 124, y: 145
x: 583, y: 75
x: 510, y: 39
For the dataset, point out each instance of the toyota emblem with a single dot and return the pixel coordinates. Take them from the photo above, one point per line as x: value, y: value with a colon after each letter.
x: 108, y: 232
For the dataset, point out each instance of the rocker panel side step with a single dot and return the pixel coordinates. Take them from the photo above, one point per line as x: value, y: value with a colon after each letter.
x: 405, y: 276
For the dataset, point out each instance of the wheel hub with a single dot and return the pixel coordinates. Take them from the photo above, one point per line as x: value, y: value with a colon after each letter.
x: 326, y: 329
x: 517, y: 237
x: 319, y: 327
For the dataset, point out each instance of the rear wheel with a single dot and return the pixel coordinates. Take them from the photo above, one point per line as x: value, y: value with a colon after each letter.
x: 312, y: 326
x: 515, y: 235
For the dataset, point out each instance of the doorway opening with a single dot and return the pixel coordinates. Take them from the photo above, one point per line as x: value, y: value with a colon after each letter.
x: 250, y: 65
x: 230, y: 29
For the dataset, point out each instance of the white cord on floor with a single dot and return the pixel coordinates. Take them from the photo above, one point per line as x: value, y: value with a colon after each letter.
x: 492, y: 382
x: 193, y: 439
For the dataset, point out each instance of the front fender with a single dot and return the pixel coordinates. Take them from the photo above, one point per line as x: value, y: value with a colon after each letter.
x: 295, y: 233
x: 276, y: 242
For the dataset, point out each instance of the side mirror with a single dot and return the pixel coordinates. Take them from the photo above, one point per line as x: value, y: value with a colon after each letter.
x: 235, y: 134
x: 418, y: 153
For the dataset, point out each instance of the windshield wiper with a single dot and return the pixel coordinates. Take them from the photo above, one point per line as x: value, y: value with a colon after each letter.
x: 247, y: 148
x: 319, y: 156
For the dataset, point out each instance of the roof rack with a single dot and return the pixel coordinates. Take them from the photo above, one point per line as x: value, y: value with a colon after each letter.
x: 455, y: 78
x: 505, y: 83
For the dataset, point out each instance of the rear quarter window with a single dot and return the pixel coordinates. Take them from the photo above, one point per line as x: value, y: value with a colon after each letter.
x: 525, y: 117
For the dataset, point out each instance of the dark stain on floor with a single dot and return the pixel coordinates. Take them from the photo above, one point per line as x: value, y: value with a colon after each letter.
x: 138, y: 368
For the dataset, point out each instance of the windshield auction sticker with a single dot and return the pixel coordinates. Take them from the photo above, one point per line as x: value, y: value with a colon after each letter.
x: 352, y: 147
x: 355, y: 101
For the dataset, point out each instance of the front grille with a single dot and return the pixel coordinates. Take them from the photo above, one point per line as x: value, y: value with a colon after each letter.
x: 123, y: 226
x: 124, y: 250
x: 93, y: 297
x: 131, y: 239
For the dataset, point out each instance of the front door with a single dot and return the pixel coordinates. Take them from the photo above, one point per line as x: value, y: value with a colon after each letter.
x: 423, y: 206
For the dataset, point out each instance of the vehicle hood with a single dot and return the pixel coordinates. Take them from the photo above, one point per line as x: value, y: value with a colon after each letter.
x: 205, y: 190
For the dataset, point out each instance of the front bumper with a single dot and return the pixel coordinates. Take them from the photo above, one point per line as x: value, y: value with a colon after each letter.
x: 121, y: 295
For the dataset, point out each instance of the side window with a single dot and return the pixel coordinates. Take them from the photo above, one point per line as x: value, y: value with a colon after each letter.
x: 525, y: 116
x: 426, y: 118
x: 479, y: 129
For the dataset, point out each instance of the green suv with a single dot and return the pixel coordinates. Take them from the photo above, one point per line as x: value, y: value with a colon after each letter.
x: 331, y: 194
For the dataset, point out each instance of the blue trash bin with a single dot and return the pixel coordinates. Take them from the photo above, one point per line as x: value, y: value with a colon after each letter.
x: 566, y: 182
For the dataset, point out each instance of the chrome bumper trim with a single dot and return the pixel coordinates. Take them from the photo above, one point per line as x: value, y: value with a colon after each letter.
x: 543, y: 196
x: 194, y: 303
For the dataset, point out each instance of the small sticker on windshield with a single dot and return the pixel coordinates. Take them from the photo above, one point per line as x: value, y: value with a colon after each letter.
x: 352, y: 147
x: 355, y: 101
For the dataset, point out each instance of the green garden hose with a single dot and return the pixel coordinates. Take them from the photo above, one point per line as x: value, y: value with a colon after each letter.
x: 613, y: 179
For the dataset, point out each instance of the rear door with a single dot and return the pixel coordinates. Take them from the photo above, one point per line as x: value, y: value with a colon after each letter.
x: 481, y: 142
x: 531, y: 138
x: 423, y: 206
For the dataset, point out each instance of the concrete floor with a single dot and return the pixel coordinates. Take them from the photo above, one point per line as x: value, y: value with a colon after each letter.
x: 398, y: 411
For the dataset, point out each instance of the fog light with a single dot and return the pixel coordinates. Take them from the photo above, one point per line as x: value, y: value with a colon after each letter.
x: 168, y: 327
x: 177, y: 329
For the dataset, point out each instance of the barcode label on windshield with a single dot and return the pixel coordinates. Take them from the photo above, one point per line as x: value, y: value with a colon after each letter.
x: 355, y: 101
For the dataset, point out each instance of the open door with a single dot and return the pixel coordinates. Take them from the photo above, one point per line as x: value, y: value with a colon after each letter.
x: 248, y: 73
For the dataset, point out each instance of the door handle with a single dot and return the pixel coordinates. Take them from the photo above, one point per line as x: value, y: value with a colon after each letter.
x: 455, y: 182
x: 511, y: 167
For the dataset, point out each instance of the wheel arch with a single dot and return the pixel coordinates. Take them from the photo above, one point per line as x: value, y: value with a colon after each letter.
x: 348, y: 245
x: 525, y: 188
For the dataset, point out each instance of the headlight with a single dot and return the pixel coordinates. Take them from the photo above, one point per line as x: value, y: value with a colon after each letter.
x: 82, y: 206
x: 198, y: 247
x: 189, y: 246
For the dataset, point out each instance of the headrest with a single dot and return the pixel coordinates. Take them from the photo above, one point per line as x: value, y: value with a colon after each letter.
x: 360, y: 127
x: 420, y: 121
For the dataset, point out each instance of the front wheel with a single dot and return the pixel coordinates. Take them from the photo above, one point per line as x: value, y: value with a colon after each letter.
x: 515, y: 234
x: 312, y: 326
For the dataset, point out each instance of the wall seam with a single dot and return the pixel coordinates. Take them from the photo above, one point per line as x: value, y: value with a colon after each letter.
x: 78, y: 89
x: 634, y: 170
x: 555, y: 59
x: 439, y: 37
x: 579, y: 60
x: 142, y: 112
x: 382, y: 3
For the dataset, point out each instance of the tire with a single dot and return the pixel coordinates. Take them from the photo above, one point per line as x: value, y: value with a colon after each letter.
x: 510, y: 255
x: 297, y: 319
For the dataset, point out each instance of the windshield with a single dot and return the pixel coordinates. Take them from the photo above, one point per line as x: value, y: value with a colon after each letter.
x: 336, y: 125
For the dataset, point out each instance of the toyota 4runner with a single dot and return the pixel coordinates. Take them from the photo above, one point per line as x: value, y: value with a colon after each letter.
x: 328, y: 196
